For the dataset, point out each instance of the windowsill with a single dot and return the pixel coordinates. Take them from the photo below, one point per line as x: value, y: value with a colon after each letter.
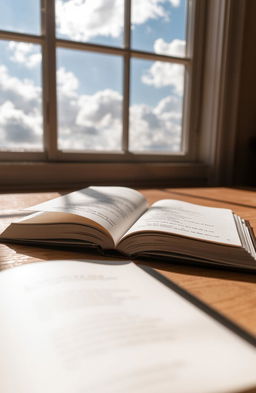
x: 22, y: 176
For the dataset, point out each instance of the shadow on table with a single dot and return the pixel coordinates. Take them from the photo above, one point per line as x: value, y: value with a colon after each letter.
x: 198, y: 269
x: 15, y: 254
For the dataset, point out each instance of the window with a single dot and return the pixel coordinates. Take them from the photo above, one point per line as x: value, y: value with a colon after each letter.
x: 110, y: 82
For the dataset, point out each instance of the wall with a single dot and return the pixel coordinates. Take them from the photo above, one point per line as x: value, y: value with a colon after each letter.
x: 245, y: 152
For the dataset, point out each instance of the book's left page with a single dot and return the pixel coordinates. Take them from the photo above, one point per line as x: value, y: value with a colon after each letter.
x: 111, y: 210
x: 81, y: 326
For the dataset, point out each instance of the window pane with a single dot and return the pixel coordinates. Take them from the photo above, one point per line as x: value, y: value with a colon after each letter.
x: 159, y: 26
x: 98, y: 22
x: 89, y: 101
x: 156, y: 106
x: 20, y: 16
x: 20, y: 97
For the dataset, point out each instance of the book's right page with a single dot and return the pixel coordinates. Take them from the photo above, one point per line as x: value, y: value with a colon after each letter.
x: 189, y: 220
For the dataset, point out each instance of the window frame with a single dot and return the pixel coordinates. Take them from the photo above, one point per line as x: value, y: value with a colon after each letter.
x: 215, y: 22
x: 50, y: 43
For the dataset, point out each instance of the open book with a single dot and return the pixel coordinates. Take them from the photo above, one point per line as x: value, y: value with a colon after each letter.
x: 118, y: 218
x: 81, y: 326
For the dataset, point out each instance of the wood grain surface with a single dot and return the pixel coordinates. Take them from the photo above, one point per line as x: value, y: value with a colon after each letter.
x: 232, y: 293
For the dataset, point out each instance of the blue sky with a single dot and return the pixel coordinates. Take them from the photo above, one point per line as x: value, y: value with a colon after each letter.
x: 96, y: 79
x: 20, y: 16
x: 144, y: 35
x: 95, y: 71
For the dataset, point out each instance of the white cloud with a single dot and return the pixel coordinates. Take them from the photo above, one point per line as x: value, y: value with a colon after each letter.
x: 20, y: 112
x: 67, y: 83
x: 175, y: 3
x: 156, y: 129
x: 20, y: 102
x: 13, y: 88
x: 174, y: 48
x: 92, y: 122
x: 85, y: 19
x: 143, y: 10
x: 88, y: 122
x: 24, y: 53
x: 18, y: 127
x: 100, y: 109
x: 82, y: 20
x: 162, y: 74
x: 169, y: 105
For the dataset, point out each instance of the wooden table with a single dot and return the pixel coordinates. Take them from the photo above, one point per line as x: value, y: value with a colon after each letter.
x: 230, y: 292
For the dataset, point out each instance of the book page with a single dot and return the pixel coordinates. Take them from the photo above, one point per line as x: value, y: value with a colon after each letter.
x: 114, y: 208
x: 81, y: 326
x: 188, y: 219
